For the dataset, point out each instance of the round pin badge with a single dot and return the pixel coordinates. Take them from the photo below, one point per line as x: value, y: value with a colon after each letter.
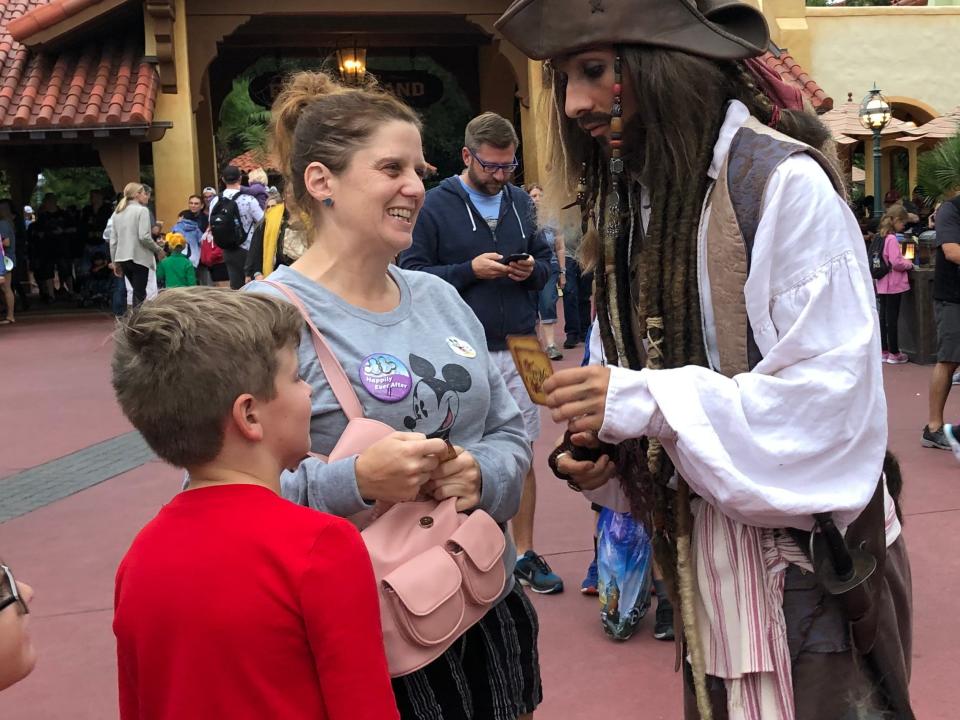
x: 385, y: 377
x: 461, y: 347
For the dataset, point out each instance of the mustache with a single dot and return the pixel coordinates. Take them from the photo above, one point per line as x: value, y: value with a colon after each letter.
x: 593, y: 119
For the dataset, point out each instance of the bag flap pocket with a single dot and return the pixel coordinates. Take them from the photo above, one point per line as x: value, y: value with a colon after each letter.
x: 424, y: 583
x: 481, y: 539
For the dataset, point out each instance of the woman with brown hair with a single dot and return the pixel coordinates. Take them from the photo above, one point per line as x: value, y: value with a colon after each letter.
x: 416, y: 356
x: 892, y: 286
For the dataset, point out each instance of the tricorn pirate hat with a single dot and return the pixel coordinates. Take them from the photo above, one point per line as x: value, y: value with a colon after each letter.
x: 717, y: 29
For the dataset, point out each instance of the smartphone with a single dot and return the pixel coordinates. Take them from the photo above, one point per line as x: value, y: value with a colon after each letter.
x: 516, y: 257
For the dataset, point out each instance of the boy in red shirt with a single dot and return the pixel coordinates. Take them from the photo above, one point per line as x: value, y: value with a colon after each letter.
x: 233, y: 602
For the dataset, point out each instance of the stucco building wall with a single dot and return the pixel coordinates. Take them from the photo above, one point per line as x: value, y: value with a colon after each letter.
x: 912, y: 53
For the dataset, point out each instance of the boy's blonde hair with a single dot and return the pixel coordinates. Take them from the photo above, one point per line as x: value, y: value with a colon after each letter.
x: 182, y: 360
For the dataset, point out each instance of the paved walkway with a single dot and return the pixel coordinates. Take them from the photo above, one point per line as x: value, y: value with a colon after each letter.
x: 62, y: 418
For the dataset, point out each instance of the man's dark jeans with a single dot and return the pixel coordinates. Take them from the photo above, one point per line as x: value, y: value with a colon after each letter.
x: 577, y: 294
x: 236, y: 260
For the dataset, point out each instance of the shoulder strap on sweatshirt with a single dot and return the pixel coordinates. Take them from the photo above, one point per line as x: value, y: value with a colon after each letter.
x: 336, y: 375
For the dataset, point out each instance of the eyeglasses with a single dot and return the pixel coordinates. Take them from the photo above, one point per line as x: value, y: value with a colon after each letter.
x: 15, y: 596
x: 494, y: 167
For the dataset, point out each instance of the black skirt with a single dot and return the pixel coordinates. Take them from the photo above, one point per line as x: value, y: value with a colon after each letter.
x: 491, y: 673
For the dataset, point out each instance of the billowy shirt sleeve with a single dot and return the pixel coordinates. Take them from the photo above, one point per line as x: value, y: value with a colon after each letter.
x: 805, y: 431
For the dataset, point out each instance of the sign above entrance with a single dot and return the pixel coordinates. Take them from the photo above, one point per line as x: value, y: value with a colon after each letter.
x: 415, y: 87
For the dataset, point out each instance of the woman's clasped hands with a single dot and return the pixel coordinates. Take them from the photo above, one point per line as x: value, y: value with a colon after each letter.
x: 406, y: 466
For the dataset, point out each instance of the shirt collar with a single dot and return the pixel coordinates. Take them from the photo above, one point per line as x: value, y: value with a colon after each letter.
x: 737, y: 115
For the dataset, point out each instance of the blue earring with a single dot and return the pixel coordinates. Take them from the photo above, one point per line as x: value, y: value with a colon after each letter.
x: 328, y: 202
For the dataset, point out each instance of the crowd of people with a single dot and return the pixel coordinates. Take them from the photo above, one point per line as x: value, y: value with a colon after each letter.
x: 729, y: 414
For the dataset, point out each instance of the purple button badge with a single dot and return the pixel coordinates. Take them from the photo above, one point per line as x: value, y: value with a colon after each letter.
x: 385, y: 377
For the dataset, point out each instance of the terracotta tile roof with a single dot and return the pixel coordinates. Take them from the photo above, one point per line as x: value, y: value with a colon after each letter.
x: 251, y: 160
x: 945, y: 126
x: 793, y: 74
x: 844, y: 123
x: 99, y: 84
x: 44, y: 16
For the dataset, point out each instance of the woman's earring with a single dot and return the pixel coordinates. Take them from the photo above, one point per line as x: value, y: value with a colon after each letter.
x: 328, y: 202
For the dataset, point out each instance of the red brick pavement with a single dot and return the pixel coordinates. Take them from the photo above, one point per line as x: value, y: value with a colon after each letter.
x: 58, y: 400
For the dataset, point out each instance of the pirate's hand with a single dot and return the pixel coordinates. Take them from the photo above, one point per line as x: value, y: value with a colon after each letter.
x: 459, y: 478
x: 585, y: 474
x: 579, y: 397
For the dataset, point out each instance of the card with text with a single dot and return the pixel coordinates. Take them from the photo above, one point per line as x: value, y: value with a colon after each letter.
x: 532, y: 363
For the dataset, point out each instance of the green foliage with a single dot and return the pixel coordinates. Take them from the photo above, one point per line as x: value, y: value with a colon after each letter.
x: 938, y: 171
x: 244, y: 124
x: 72, y: 185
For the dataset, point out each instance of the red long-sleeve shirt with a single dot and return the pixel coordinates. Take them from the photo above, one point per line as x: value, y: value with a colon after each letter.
x: 235, y: 603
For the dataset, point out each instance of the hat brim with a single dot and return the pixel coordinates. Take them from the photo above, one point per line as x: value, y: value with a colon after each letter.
x: 728, y: 31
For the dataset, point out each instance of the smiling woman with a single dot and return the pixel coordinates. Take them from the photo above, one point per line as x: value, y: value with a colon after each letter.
x: 416, y: 357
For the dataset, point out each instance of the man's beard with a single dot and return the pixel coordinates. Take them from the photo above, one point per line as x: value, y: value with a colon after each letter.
x: 634, y: 137
x: 485, y: 184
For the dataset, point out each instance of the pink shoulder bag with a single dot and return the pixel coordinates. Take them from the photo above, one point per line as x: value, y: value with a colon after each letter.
x: 438, y: 570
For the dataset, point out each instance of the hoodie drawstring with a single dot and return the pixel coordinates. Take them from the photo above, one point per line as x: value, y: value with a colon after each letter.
x: 470, y: 215
x: 523, y: 233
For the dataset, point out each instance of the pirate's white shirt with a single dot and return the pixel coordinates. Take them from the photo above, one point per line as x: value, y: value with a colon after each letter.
x: 805, y: 431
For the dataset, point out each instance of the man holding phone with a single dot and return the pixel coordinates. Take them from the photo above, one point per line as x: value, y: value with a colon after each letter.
x: 478, y: 232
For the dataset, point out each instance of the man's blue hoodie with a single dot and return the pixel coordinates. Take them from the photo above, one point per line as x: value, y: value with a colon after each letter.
x: 450, y: 232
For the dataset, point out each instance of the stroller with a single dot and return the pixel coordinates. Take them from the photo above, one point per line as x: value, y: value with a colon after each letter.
x: 97, y: 288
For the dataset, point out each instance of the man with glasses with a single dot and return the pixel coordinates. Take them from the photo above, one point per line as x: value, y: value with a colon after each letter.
x: 17, y: 655
x: 478, y: 232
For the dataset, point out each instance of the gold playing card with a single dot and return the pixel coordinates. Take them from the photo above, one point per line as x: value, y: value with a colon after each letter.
x: 532, y: 363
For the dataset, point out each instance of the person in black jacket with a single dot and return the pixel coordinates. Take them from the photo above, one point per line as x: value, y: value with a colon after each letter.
x: 478, y: 232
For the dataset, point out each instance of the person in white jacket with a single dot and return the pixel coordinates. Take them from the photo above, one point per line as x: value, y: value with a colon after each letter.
x: 132, y: 249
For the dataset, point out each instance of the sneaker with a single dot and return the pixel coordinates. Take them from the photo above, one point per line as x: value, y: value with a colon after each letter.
x: 934, y: 439
x: 897, y: 358
x: 663, y: 625
x: 570, y: 343
x: 553, y: 353
x: 533, y: 571
x: 950, y: 433
x: 956, y: 378
x: 589, y: 584
x: 884, y: 356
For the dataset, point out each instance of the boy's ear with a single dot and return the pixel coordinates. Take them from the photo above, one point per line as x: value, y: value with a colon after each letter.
x: 246, y: 418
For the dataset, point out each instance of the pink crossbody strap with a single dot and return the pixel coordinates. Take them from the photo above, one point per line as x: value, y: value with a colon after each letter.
x: 336, y: 375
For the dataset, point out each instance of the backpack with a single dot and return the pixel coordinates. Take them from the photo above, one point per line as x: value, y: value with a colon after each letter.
x: 879, y: 266
x: 225, y: 225
x: 210, y: 254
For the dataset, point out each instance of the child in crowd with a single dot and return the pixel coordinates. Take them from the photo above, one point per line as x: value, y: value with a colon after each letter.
x: 233, y: 602
x: 176, y: 270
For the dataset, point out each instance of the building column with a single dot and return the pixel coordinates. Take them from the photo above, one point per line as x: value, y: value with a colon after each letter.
x: 121, y: 160
x: 209, y: 172
x: 868, y: 188
x: 788, y: 27
x: 176, y: 157
x: 912, y: 152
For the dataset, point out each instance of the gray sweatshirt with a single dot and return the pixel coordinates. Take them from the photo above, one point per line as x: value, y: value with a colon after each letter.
x: 422, y: 367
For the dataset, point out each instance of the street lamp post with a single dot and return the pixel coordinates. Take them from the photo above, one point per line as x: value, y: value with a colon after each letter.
x: 874, y: 115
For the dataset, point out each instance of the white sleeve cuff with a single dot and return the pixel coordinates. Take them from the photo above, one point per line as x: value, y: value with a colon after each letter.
x: 631, y: 411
